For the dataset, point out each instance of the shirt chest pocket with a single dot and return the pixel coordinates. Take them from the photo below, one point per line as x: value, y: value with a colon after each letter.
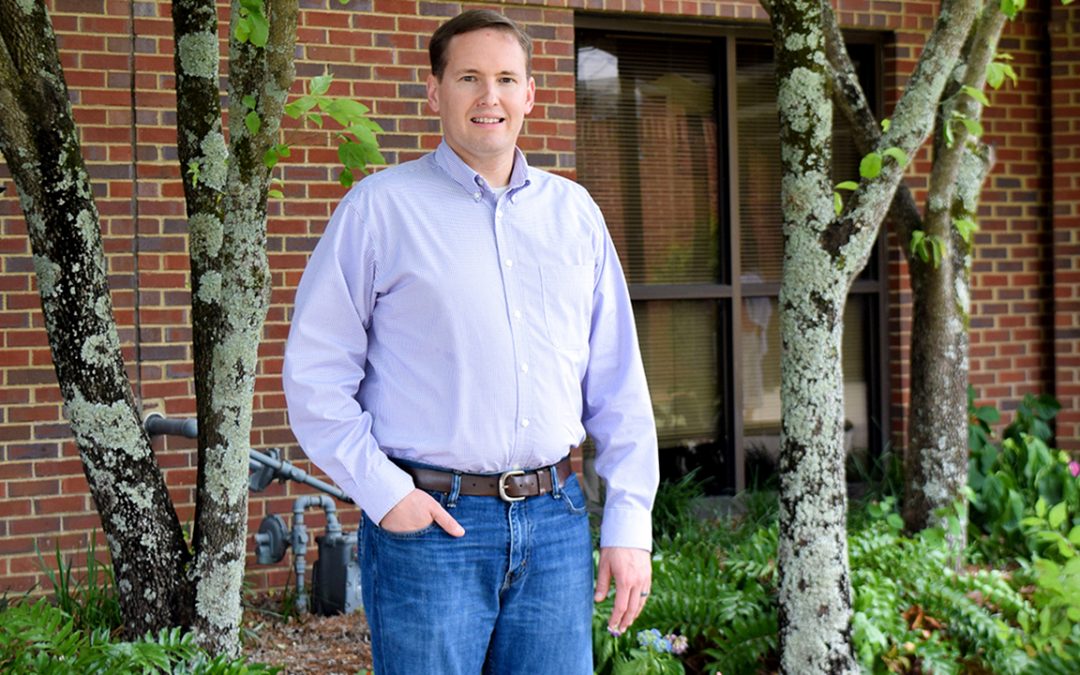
x: 567, y: 298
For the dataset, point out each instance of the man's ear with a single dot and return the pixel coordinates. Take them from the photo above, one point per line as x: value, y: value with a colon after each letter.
x: 530, y: 98
x: 433, y: 93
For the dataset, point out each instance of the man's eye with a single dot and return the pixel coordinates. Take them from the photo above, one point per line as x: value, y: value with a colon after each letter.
x: 507, y: 80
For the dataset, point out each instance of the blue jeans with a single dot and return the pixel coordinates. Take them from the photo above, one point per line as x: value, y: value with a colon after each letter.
x: 514, y: 595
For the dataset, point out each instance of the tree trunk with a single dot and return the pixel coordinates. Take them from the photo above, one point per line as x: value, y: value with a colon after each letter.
x: 226, y: 190
x: 815, y: 582
x: 936, y: 463
x: 40, y: 144
x: 822, y: 255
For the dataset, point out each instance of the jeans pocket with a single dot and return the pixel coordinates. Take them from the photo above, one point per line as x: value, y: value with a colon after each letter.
x: 573, y: 497
x: 439, y: 497
x: 411, y: 534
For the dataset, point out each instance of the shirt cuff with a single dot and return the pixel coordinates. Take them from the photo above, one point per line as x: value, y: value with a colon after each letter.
x: 382, y: 490
x: 626, y: 528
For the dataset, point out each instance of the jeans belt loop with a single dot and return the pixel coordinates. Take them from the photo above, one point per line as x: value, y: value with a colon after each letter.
x: 556, y: 486
x: 455, y: 490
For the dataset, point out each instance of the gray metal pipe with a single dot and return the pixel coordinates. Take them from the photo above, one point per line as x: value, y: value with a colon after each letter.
x: 300, y: 539
x: 157, y: 424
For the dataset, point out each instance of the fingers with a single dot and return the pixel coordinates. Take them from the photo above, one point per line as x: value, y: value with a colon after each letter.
x: 632, y: 573
x: 416, y: 511
x: 603, y: 580
x: 446, y: 521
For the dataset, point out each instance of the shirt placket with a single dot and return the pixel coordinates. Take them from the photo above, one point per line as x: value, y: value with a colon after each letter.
x: 507, y: 246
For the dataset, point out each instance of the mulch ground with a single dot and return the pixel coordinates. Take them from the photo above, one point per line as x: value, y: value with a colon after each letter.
x: 307, y: 644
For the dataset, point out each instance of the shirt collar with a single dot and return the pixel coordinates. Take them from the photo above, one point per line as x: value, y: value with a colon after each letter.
x: 470, y: 180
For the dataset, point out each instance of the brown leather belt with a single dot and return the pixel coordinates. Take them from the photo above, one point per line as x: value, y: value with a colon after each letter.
x: 510, y: 486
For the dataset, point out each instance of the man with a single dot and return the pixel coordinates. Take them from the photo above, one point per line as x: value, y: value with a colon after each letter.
x: 463, y: 323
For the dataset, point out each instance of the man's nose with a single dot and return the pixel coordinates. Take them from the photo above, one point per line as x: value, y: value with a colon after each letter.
x: 489, y: 94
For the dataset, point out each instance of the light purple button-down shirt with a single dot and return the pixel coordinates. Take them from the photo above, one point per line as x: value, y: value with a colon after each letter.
x: 439, y: 323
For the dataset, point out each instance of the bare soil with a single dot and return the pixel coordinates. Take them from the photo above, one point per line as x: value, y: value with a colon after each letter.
x: 308, y: 644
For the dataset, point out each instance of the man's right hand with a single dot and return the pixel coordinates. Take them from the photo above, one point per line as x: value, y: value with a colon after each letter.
x: 416, y: 511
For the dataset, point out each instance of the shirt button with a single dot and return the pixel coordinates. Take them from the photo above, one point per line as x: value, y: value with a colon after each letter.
x: 509, y: 262
x: 524, y: 423
x: 524, y: 367
x: 476, y: 196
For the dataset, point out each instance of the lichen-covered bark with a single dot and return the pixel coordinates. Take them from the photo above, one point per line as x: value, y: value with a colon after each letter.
x: 936, y: 462
x: 815, y: 581
x: 226, y: 200
x: 39, y: 141
x: 822, y: 255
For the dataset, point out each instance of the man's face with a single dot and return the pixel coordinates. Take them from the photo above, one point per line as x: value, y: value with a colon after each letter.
x: 483, y: 97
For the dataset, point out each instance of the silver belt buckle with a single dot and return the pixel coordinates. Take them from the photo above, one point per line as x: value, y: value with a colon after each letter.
x: 502, y: 485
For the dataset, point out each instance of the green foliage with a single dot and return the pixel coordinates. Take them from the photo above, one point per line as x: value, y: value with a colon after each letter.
x: 927, y: 247
x: 91, y: 600
x: 871, y: 165
x: 673, y: 506
x: 43, y: 639
x: 838, y: 202
x: 357, y: 145
x: 1025, y: 498
x: 965, y: 227
x: 252, y: 25
x: 999, y: 69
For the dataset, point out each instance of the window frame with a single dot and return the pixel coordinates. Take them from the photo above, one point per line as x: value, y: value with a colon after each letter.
x: 730, y: 290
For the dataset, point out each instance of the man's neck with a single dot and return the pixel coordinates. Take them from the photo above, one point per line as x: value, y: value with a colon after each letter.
x: 496, y: 171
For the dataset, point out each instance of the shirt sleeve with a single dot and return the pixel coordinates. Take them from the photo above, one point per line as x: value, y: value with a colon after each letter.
x: 617, y: 409
x: 325, y: 360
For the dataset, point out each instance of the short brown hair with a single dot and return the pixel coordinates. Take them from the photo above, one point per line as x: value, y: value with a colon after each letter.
x: 467, y: 22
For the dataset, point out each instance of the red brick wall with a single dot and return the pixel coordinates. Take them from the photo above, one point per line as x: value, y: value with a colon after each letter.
x: 1065, y: 129
x: 376, y: 48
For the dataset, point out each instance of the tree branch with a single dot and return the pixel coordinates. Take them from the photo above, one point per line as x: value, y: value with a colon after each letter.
x: 854, y: 106
x: 911, y: 124
x: 947, y: 166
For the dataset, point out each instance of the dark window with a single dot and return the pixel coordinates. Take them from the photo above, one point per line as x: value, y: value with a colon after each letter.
x: 678, y: 143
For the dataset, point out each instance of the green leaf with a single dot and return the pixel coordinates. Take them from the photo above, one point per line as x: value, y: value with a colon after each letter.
x: 260, y: 30
x: 895, y: 521
x: 345, y: 178
x: 918, y: 245
x: 947, y: 131
x: 316, y: 119
x: 965, y: 226
x: 838, y: 203
x: 1057, y: 515
x: 300, y: 106
x: 271, y: 158
x: 320, y: 84
x: 351, y: 155
x: 249, y: 102
x: 345, y: 111
x: 997, y: 72
x: 242, y: 30
x: 938, y: 248
x: 275, y: 194
x: 252, y: 122
x: 885, y: 124
x: 1040, y: 508
x: 847, y: 185
x: 899, y: 155
x: 363, y: 134
x: 976, y: 94
x: 1074, y: 535
x: 870, y: 166
x: 973, y: 126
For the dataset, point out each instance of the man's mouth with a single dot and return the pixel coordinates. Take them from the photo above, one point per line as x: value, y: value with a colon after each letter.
x: 488, y: 120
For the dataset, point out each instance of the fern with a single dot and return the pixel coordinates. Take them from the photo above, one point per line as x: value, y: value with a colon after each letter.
x: 745, y: 643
